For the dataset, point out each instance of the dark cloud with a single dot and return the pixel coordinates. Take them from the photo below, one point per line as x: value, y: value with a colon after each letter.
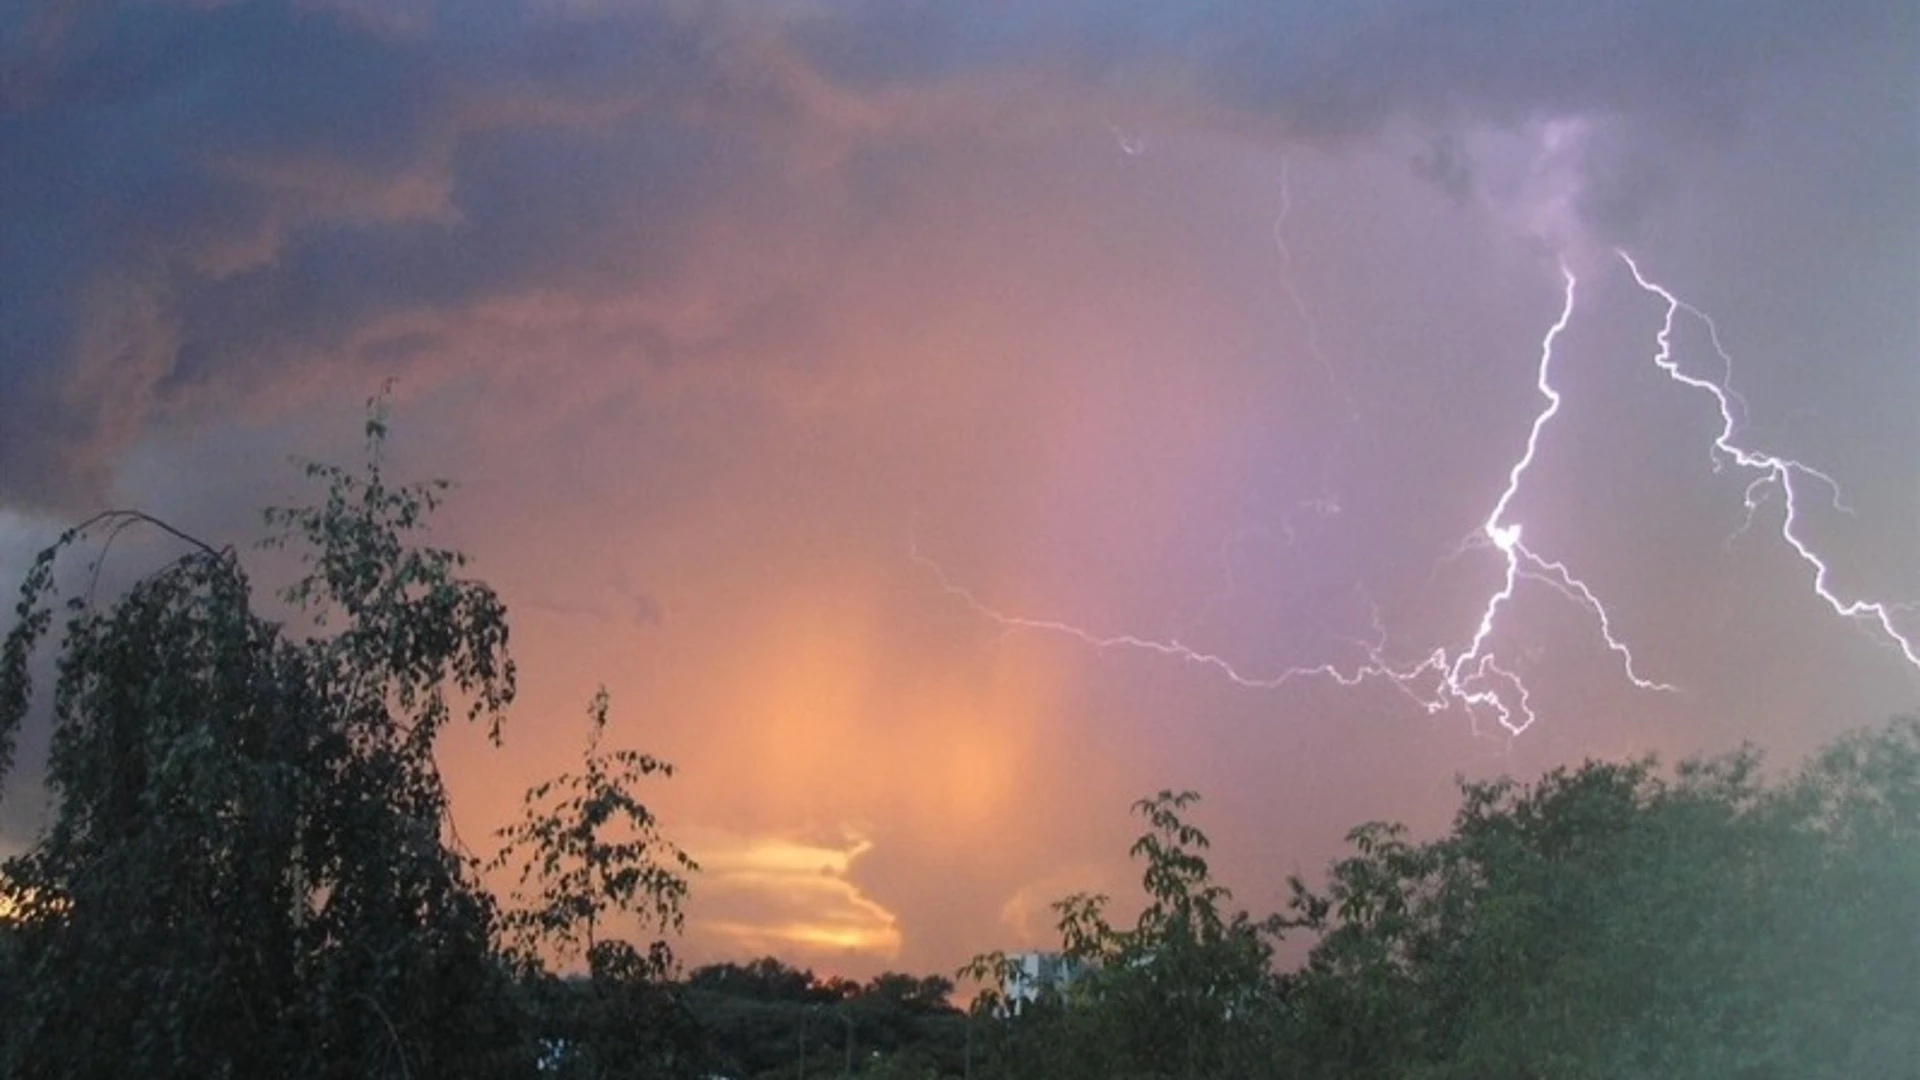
x: 1343, y: 68
x: 237, y: 187
x: 1446, y: 164
x: 135, y: 129
x: 275, y: 177
x: 1670, y: 76
x: 560, y: 208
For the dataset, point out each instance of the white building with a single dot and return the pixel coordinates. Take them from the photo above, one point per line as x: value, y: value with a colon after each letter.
x: 1034, y: 974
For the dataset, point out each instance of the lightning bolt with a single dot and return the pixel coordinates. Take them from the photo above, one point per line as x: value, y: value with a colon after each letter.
x: 1473, y: 678
x: 1772, y: 474
x: 1167, y: 647
x: 1474, y: 663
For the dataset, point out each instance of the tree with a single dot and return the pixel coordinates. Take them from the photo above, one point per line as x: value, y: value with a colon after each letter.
x: 1614, y: 921
x: 1186, y: 991
x: 593, y: 850
x: 1610, y: 921
x: 907, y: 1022
x: 757, y: 1014
x: 765, y: 979
x: 250, y: 869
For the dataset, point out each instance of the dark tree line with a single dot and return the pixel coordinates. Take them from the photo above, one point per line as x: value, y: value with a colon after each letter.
x: 766, y: 1020
x: 1609, y: 922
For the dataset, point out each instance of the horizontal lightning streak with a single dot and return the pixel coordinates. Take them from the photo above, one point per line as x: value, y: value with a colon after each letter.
x: 1102, y: 642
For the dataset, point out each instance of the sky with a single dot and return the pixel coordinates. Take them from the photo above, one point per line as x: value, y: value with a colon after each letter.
x: 939, y: 425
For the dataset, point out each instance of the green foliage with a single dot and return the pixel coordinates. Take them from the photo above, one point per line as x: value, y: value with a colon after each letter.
x: 1611, y: 922
x: 1186, y: 991
x: 249, y: 869
x: 766, y: 979
x: 592, y: 850
x: 584, y: 873
x: 759, y: 1015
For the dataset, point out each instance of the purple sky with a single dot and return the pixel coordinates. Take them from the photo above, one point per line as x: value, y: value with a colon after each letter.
x: 891, y: 402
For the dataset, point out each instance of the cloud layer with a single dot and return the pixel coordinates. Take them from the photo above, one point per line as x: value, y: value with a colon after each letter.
x: 207, y: 202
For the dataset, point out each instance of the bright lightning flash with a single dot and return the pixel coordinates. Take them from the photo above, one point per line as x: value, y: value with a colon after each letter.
x: 1469, y: 673
x: 1772, y: 473
x: 1473, y: 678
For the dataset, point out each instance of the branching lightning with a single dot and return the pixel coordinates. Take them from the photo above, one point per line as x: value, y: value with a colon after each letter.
x: 1473, y: 666
x: 1772, y: 474
x: 1473, y: 678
